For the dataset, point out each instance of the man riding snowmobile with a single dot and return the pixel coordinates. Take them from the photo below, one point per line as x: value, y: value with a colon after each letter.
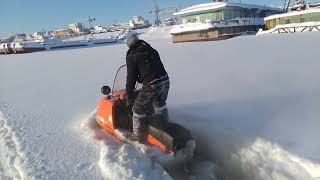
x: 144, y: 66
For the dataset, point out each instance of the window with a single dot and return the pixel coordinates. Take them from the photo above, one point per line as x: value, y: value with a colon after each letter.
x: 287, y: 21
x: 197, y: 19
x: 218, y: 16
x: 302, y: 19
x: 271, y: 24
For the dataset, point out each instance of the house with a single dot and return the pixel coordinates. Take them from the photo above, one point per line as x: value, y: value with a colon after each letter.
x: 8, y: 39
x: 219, y: 20
x: 62, y: 33
x: 301, y: 17
x: 100, y: 29
x: 39, y: 35
x: 137, y: 22
x: 170, y: 22
x: 77, y: 28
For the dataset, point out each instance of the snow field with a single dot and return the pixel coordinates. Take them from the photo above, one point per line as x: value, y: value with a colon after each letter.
x: 251, y: 103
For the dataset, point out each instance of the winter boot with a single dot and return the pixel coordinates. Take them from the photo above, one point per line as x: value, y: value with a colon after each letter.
x: 139, y: 128
x: 161, y: 117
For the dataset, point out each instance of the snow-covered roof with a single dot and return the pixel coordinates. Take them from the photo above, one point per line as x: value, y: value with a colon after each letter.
x: 201, y: 8
x: 191, y: 27
x: 292, y: 13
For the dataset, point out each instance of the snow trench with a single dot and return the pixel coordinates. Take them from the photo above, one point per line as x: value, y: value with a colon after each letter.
x: 119, y: 160
x: 223, y: 155
x: 241, y: 157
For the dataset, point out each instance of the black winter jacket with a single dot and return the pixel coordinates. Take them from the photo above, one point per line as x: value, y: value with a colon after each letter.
x: 143, y: 65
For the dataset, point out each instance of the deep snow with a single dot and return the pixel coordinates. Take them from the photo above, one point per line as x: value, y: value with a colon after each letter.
x: 252, y: 103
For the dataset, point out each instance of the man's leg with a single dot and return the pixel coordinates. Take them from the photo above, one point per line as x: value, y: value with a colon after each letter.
x: 139, y: 109
x: 159, y: 103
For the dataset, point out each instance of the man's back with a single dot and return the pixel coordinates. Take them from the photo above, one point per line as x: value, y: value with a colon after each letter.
x: 143, y: 64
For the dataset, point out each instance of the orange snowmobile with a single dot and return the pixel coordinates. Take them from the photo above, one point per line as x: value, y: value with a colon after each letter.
x: 113, y: 116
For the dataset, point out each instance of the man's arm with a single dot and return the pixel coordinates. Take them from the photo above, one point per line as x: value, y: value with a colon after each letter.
x: 132, y: 75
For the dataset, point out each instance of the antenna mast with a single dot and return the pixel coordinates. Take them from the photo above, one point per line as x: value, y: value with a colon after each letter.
x: 161, y: 11
x: 90, y: 20
x: 157, y: 11
x: 286, y: 5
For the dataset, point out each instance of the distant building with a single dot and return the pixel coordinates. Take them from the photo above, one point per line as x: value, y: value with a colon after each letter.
x: 223, y: 11
x: 137, y: 22
x: 39, y: 35
x: 219, y: 20
x: 99, y: 29
x: 170, y: 22
x: 50, y: 33
x: 8, y: 39
x: 61, y: 33
x: 111, y: 28
x: 122, y: 25
x: 20, y: 37
x: 76, y: 28
x: 301, y: 17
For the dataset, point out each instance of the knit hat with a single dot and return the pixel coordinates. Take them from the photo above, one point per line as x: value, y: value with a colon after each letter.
x: 132, y: 39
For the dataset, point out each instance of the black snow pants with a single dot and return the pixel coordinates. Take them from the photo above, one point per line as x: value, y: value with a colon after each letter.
x: 155, y: 95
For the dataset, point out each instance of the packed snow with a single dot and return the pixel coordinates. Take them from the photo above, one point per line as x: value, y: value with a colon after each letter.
x: 252, y: 104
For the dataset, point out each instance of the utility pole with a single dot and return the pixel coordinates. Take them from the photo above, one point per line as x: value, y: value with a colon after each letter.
x: 286, y: 5
x: 161, y: 11
x: 156, y: 11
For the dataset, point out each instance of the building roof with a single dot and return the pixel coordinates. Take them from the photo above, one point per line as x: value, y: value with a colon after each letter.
x: 202, y: 8
x: 292, y: 13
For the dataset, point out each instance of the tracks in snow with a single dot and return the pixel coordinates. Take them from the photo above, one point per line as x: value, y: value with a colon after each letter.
x: 18, y: 158
x: 12, y: 157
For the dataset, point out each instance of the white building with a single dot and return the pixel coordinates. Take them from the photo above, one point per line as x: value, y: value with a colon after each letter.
x: 99, y: 29
x: 138, y: 22
x: 76, y: 28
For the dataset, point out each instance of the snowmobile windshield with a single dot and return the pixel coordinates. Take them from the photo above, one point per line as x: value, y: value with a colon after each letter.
x: 119, y: 83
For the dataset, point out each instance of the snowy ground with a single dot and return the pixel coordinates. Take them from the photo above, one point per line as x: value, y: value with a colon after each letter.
x: 251, y: 102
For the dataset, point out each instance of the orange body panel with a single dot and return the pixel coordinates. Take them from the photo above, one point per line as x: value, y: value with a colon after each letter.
x: 153, y: 141
x: 105, y: 115
x: 105, y: 118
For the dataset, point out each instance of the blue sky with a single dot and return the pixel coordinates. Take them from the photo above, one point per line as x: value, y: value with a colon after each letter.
x: 27, y: 16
